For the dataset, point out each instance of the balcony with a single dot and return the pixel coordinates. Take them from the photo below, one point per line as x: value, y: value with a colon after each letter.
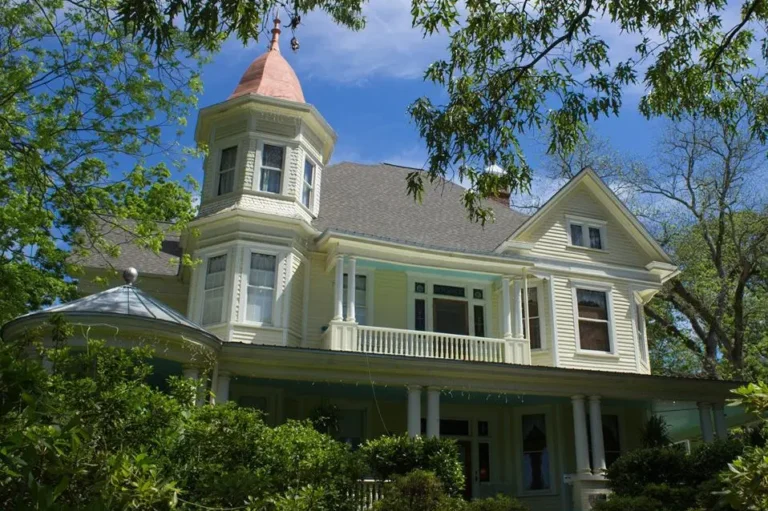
x: 347, y: 336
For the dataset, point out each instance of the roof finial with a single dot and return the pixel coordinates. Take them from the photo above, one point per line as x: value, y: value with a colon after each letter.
x: 274, y: 44
x: 130, y: 275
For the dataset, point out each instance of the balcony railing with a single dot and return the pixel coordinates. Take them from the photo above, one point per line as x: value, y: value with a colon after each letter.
x: 344, y: 336
x: 367, y: 492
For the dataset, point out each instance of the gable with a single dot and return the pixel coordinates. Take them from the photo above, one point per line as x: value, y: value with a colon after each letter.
x: 585, y: 198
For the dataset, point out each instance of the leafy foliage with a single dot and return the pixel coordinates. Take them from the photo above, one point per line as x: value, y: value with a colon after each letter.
x: 95, y: 435
x: 655, y: 432
x: 497, y: 503
x: 418, y: 490
x: 746, y: 480
x: 390, y: 456
x: 88, y: 122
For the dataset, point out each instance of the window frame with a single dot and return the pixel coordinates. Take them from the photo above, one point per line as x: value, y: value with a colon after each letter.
x: 537, y: 284
x: 311, y: 201
x: 608, y: 290
x: 552, y: 446
x: 200, y: 309
x: 260, y: 163
x: 245, y: 265
x: 585, y: 224
x: 247, y: 284
x: 639, y: 328
x: 217, y: 169
x: 428, y: 296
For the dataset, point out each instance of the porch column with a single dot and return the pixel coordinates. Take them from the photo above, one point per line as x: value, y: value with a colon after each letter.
x: 338, y: 313
x: 507, y: 308
x: 193, y: 372
x: 596, y: 428
x: 222, y: 387
x: 433, y: 412
x: 721, y: 428
x: 414, y: 410
x: 705, y: 420
x: 351, y: 289
x: 580, y: 435
x: 517, y: 305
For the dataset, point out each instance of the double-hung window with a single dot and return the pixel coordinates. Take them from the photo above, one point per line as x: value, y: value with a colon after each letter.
x: 534, y: 323
x: 361, y: 298
x: 272, y: 158
x: 308, y: 184
x: 226, y: 175
x: 536, y: 472
x: 261, y: 288
x: 213, y: 294
x: 640, y: 329
x: 586, y: 233
x: 611, y: 440
x: 594, y: 319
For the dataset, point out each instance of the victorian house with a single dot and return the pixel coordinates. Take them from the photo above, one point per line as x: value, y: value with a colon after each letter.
x: 324, y: 285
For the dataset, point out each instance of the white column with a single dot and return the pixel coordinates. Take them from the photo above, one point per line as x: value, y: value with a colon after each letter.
x: 721, y: 428
x: 705, y: 421
x: 222, y: 387
x: 433, y: 412
x: 193, y: 373
x: 517, y: 308
x: 414, y: 411
x: 506, y: 308
x: 596, y: 428
x: 351, y: 289
x: 580, y: 435
x: 338, y: 313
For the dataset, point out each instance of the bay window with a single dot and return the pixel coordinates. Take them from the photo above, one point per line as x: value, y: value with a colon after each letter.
x: 594, y: 322
x: 213, y: 294
x: 308, y: 183
x: 261, y: 288
x: 272, y: 159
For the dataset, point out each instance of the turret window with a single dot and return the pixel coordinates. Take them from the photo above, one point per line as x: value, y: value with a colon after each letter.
x: 272, y: 158
x: 215, y: 278
x: 261, y: 288
x: 226, y: 176
x: 309, y: 180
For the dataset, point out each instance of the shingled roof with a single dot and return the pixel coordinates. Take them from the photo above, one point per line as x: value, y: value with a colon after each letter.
x: 371, y: 200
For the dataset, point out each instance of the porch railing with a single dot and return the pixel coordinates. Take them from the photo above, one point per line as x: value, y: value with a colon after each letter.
x: 366, y: 492
x: 414, y: 343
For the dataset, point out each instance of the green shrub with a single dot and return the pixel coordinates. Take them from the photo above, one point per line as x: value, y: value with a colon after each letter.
x: 619, y: 503
x: 390, y: 456
x: 497, y: 503
x: 630, y: 474
x: 418, y: 490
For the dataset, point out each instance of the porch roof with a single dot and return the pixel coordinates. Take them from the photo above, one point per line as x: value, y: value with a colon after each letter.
x: 360, y: 368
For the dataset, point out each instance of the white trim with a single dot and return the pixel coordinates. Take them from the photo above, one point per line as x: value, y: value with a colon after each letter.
x: 552, y: 447
x: 586, y: 220
x: 313, y: 189
x: 639, y: 336
x: 200, y: 287
x: 553, y: 320
x: 305, y: 302
x: 538, y: 285
x: 606, y: 288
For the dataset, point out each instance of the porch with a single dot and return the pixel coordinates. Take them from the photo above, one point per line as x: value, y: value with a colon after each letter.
x: 432, y: 312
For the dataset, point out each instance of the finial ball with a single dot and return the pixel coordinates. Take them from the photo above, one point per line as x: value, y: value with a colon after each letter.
x: 130, y: 275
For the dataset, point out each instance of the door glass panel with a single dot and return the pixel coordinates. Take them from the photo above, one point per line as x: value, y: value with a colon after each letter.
x: 535, y: 453
x: 479, y: 321
x: 420, y: 317
x: 450, y: 316
x: 484, y: 455
x: 448, y: 290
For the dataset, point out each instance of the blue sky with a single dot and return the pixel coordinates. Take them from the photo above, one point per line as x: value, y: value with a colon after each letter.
x: 363, y: 82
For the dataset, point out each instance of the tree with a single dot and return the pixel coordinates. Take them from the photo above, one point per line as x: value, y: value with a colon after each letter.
x: 87, y: 140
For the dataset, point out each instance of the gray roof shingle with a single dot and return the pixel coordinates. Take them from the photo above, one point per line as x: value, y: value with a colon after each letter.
x: 371, y: 200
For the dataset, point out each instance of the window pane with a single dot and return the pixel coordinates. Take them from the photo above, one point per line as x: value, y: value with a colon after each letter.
x: 270, y: 180
x: 309, y: 172
x: 594, y: 238
x: 351, y: 427
x: 479, y: 321
x: 482, y: 428
x: 576, y: 235
x: 262, y: 270
x: 448, y: 290
x: 535, y: 333
x: 361, y: 315
x: 259, y: 306
x: 593, y: 335
x: 306, y: 194
x: 592, y: 304
x: 216, y: 271
x: 228, y: 158
x: 214, y: 301
x: 420, y: 287
x: 484, y: 453
x: 533, y: 302
x: 272, y: 156
x: 611, y: 440
x: 535, y: 452
x: 226, y: 182
x: 420, y: 315
x: 454, y: 427
x: 361, y: 298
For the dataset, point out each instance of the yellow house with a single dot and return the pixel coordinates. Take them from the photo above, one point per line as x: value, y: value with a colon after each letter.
x: 326, y: 285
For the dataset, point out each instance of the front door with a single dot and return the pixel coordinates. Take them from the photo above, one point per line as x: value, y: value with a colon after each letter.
x: 465, y: 457
x: 450, y: 316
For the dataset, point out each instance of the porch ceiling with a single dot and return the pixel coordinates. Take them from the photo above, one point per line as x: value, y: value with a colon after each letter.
x: 482, y: 377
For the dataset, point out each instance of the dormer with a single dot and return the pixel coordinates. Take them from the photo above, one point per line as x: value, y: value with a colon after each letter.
x: 266, y: 146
